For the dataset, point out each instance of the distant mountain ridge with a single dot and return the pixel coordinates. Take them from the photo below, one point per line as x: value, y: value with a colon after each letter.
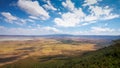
x: 109, y: 37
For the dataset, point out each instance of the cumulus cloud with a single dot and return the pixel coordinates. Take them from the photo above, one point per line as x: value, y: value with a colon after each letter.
x: 70, y: 19
x: 90, y: 2
x: 8, y: 17
x: 69, y: 4
x: 49, y: 6
x: 33, y: 8
x: 98, y: 12
x: 76, y: 16
x: 102, y: 12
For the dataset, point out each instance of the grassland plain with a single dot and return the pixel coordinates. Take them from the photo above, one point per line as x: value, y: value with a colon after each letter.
x: 12, y: 51
x: 108, y: 57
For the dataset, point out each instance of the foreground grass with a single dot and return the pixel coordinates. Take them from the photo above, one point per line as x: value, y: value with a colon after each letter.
x: 108, y: 57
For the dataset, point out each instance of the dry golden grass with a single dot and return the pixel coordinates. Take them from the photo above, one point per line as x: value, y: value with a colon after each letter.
x: 41, y: 47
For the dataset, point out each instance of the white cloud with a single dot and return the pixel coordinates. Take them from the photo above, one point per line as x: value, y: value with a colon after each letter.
x: 2, y: 27
x: 97, y: 11
x: 100, y: 13
x: 90, y: 2
x: 30, y: 20
x: 111, y: 16
x: 8, y: 17
x: 70, y: 19
x: 69, y: 4
x: 97, y: 31
x: 90, y: 18
x: 87, y: 23
x: 33, y: 8
x: 51, y: 29
x: 49, y: 6
x: 59, y: 13
x: 38, y: 30
x: 101, y: 29
x: 33, y: 17
x: 75, y: 16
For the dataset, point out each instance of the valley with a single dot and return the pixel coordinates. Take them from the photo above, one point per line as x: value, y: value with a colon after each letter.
x: 47, y: 48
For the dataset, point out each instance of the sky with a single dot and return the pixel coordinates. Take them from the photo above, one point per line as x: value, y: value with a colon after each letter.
x: 43, y: 17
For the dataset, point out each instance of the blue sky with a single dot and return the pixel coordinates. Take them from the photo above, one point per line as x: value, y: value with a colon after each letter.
x: 42, y: 17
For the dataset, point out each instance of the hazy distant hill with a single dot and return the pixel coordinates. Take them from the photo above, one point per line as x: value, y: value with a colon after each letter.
x: 108, y: 37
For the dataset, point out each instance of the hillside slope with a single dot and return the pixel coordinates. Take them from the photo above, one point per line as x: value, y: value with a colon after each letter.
x: 108, y: 57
